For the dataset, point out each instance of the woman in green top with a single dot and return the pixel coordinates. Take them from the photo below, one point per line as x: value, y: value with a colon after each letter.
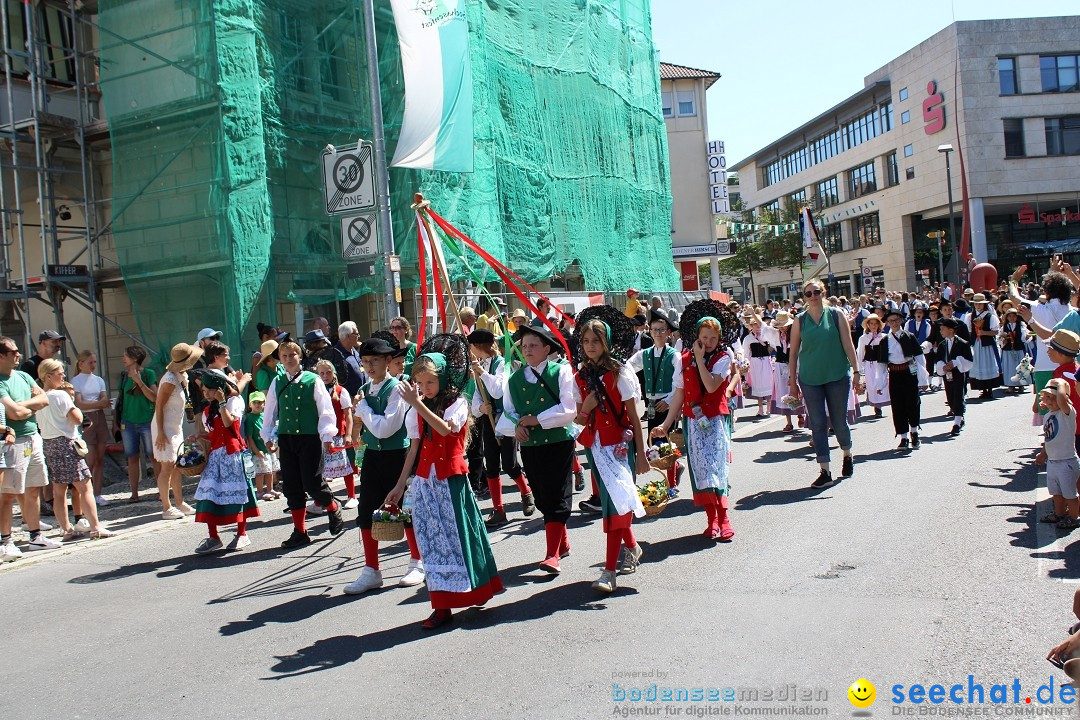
x: 402, y: 330
x: 822, y: 356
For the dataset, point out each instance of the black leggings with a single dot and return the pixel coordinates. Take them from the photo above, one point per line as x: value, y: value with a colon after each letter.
x: 498, y: 452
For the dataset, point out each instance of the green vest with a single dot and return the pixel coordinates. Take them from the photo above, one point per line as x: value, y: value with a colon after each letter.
x: 297, y: 412
x: 660, y: 382
x: 378, y: 402
x: 533, y: 399
x: 496, y: 403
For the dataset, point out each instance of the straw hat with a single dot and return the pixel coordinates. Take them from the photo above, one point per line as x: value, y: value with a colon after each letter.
x: 782, y: 320
x: 267, y: 349
x: 519, y: 313
x: 1065, y: 342
x: 871, y: 317
x: 978, y: 298
x: 183, y: 357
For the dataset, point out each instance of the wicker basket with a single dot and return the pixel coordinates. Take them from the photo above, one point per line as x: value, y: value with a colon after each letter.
x: 651, y: 510
x: 665, y: 463
x: 204, y: 446
x: 388, y: 531
x: 676, y: 438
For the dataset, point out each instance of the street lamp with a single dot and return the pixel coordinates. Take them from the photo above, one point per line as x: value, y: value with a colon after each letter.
x: 938, y: 235
x: 948, y: 148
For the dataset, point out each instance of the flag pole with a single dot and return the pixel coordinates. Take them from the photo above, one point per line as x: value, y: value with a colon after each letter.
x: 382, y: 175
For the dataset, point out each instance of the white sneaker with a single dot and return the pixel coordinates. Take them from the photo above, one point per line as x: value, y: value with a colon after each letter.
x: 42, y: 526
x: 369, y: 579
x: 630, y: 560
x: 313, y: 509
x: 9, y: 552
x: 44, y: 543
x: 185, y: 508
x: 350, y: 503
x: 173, y: 513
x: 238, y: 543
x: 606, y: 583
x: 415, y: 576
x: 101, y: 500
x: 82, y: 527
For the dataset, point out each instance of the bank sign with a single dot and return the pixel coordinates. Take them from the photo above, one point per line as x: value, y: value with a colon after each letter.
x: 1027, y: 216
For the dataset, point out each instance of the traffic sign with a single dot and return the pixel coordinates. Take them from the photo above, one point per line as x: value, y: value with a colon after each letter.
x: 867, y: 281
x: 866, y: 271
x: 358, y: 236
x: 348, y: 179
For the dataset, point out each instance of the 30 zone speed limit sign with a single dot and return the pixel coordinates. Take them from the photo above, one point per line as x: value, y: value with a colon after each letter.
x: 348, y: 179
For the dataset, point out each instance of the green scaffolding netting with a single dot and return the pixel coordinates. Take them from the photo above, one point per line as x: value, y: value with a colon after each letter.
x: 219, y: 109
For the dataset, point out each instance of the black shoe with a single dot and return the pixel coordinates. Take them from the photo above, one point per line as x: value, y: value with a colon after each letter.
x: 824, y: 480
x: 482, y: 492
x: 877, y: 412
x: 963, y: 422
x: 949, y: 414
x: 849, y: 467
x: 955, y: 430
x: 497, y: 518
x: 591, y: 506
x: 336, y: 523
x: 297, y: 539
x: 528, y: 505
x: 579, y: 481
x: 915, y: 441
x: 903, y: 444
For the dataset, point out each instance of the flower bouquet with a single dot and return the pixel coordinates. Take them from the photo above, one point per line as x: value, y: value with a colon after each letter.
x: 191, y: 458
x: 663, y: 455
x: 791, y: 402
x: 388, y: 523
x: 654, y: 496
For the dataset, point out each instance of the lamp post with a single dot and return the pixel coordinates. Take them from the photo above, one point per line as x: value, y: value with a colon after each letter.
x: 937, y: 235
x: 948, y: 148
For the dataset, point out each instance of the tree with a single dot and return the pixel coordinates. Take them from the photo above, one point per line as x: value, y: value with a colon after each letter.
x: 763, y: 248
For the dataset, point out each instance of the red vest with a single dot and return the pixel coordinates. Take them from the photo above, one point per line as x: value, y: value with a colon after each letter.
x: 224, y: 436
x: 712, y: 404
x: 611, y: 427
x: 445, y: 452
x: 339, y: 412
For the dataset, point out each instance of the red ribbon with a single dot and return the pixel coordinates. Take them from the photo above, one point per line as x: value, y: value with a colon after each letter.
x: 422, y: 263
x: 504, y: 274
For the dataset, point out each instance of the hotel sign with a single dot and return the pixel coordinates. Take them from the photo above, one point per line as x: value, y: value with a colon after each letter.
x: 717, y: 168
x: 1027, y: 216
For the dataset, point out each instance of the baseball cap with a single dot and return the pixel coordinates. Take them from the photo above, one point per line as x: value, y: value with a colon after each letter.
x: 50, y: 335
x: 208, y: 333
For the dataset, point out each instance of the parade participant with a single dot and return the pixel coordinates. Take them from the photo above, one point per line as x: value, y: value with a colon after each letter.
x: 1014, y: 335
x: 336, y: 462
x: 902, y: 349
x: 873, y: 364
x: 461, y: 570
x: 949, y: 311
x: 225, y: 495
x: 1059, y: 454
x: 919, y: 326
x: 782, y: 370
x: 954, y: 360
x: 642, y: 338
x: 934, y: 316
x: 380, y: 424
x: 822, y: 356
x: 538, y: 409
x: 167, y: 429
x: 263, y: 459
x: 606, y: 394
x: 500, y: 454
x: 299, y: 413
x: 983, y: 324
x: 402, y: 331
x: 757, y: 349
x: 657, y: 364
x: 702, y: 374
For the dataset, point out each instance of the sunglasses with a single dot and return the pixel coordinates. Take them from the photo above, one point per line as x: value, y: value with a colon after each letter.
x: 812, y: 293
x: 9, y: 351
x: 397, y: 327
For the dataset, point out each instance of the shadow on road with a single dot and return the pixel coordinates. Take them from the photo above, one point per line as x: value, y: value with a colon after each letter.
x: 780, y: 497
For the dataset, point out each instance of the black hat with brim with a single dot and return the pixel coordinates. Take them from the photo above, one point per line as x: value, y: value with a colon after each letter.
x: 543, y: 333
x: 623, y: 335
x: 481, y: 337
x: 375, y: 346
x: 950, y: 322
x: 890, y: 313
x: 655, y: 315
x: 215, y: 379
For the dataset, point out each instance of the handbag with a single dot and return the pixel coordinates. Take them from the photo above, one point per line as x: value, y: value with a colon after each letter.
x: 79, y: 445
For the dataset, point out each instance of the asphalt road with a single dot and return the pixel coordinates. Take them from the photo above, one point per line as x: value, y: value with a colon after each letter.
x: 923, y: 568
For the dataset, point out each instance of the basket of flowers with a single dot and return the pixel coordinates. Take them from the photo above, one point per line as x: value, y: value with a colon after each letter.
x: 676, y: 438
x: 388, y: 523
x: 191, y: 458
x: 663, y: 455
x: 654, y: 496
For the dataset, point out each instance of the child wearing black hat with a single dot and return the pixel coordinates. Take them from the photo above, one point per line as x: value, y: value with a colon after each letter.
x: 954, y: 360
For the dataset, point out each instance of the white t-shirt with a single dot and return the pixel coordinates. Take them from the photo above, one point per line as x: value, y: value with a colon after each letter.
x: 90, y: 387
x: 53, y: 421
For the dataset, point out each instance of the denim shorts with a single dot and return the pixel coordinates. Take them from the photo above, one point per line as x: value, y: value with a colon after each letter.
x: 136, y: 435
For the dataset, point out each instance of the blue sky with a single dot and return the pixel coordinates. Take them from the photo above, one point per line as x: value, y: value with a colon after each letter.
x: 784, y: 62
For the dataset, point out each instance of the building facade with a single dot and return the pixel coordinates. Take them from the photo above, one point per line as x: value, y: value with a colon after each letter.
x: 1004, y: 94
x: 682, y: 94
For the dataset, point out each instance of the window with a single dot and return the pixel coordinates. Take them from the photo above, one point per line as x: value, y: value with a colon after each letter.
x: 1059, y: 73
x: 909, y: 151
x: 827, y: 193
x: 773, y: 208
x: 665, y: 101
x: 1014, y: 137
x: 54, y: 44
x: 905, y: 117
x: 910, y: 173
x: 867, y: 231
x: 1007, y: 76
x: 1063, y: 135
x: 797, y: 199
x: 891, y: 169
x: 686, y: 103
x: 903, y: 94
x: 292, y: 42
x: 861, y: 181
x: 831, y: 239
